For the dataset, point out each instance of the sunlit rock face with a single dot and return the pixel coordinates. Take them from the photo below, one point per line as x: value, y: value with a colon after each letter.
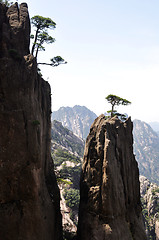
x: 150, y: 205
x: 29, y: 196
x: 110, y: 191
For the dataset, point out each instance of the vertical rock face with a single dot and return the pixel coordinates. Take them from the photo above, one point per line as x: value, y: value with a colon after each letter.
x: 110, y: 192
x: 15, y: 30
x: 29, y: 196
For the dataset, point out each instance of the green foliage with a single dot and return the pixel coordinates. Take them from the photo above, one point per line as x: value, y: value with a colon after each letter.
x: 62, y: 136
x: 42, y: 24
x: 154, y: 191
x: 115, y: 100
x: 60, y: 156
x: 35, y: 122
x: 71, y: 173
x: 57, y: 60
x: 149, y: 217
x: 68, y: 156
x: 72, y: 197
x: 63, y: 181
x: 54, y: 62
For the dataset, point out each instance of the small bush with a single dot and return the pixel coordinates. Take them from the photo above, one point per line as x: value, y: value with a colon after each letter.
x: 154, y: 191
x: 72, y: 197
x: 35, y: 122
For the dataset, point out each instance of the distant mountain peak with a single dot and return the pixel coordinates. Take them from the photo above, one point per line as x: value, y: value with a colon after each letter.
x: 78, y: 119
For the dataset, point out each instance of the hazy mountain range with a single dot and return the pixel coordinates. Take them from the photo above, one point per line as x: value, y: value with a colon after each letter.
x: 146, y: 141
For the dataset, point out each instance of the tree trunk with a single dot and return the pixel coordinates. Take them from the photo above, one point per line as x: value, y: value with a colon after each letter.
x: 37, y: 52
x: 112, y: 111
x: 36, y: 36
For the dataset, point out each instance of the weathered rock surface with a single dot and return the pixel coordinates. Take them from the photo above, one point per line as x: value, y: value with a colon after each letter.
x: 29, y: 196
x: 110, y: 191
x: 15, y: 30
x: 67, y: 153
x: 66, y: 139
x: 150, y: 204
x: 78, y: 119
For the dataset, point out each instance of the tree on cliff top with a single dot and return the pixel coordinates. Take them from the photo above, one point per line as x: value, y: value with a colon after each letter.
x: 115, y: 100
x: 41, y: 37
x: 41, y: 24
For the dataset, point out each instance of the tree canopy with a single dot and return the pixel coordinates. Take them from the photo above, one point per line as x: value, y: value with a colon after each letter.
x: 115, y: 100
x: 42, y: 24
x: 41, y: 36
x: 55, y: 61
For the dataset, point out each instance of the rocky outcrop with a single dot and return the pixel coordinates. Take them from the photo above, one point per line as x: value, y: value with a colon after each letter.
x: 110, y: 191
x: 150, y: 205
x: 15, y: 30
x: 29, y: 196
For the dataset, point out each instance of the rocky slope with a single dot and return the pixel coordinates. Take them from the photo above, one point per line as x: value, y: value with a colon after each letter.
x: 63, y: 138
x: 67, y: 153
x: 150, y: 205
x: 110, y: 192
x: 77, y: 119
x: 29, y: 196
x: 146, y: 149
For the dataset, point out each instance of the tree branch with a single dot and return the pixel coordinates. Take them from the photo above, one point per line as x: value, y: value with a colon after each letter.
x: 52, y: 64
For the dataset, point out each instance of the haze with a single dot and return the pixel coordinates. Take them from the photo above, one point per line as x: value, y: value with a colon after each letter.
x: 112, y: 47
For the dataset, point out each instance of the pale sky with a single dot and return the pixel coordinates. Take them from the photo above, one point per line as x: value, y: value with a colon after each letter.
x: 112, y: 47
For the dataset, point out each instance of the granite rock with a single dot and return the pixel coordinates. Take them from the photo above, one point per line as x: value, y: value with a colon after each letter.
x: 110, y: 205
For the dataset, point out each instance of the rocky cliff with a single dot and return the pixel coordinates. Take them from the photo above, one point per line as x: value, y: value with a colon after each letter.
x: 110, y: 191
x: 29, y: 196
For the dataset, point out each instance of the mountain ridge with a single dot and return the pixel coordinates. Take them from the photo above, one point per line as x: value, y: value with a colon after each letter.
x: 77, y: 119
x: 139, y: 149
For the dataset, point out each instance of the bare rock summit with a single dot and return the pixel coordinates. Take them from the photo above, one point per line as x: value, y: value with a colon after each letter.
x: 110, y: 207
